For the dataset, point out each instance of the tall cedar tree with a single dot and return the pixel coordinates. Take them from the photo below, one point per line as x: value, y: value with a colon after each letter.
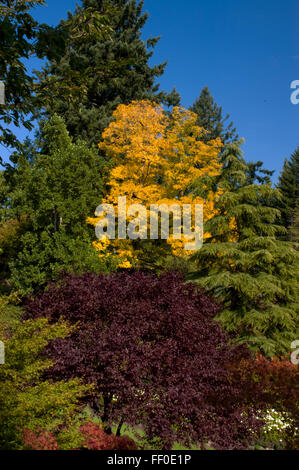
x: 289, y: 187
x: 95, y: 74
x: 56, y: 193
x: 257, y: 174
x: 155, y: 355
x: 210, y: 117
x: 244, y: 264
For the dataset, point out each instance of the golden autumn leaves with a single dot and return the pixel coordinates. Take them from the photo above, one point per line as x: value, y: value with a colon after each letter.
x: 157, y: 157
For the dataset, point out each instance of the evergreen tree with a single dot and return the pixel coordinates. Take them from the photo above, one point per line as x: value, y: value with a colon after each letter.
x: 211, y: 119
x: 257, y: 174
x: 289, y: 204
x: 246, y: 266
x: 4, y: 190
x: 98, y: 72
x: 56, y: 193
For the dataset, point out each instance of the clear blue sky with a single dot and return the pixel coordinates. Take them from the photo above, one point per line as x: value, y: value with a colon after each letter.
x: 245, y: 51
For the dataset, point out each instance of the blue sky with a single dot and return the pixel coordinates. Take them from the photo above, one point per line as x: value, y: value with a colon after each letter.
x: 246, y: 52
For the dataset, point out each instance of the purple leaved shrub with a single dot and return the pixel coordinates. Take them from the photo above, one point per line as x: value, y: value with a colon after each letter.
x: 156, y: 356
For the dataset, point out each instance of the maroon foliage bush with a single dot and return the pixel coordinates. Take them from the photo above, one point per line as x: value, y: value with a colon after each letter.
x: 155, y: 354
x: 97, y: 439
x: 279, y: 379
x: 42, y: 440
x: 94, y: 439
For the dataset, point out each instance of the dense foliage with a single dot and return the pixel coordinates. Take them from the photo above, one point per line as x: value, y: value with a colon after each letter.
x: 245, y: 264
x: 136, y: 342
x: 27, y: 401
x: 93, y: 438
x: 155, y: 355
x: 48, y: 203
x: 93, y: 76
x: 157, y: 158
x: 279, y: 379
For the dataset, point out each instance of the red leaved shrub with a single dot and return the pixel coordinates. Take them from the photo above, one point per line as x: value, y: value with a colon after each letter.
x: 279, y: 380
x: 94, y: 439
x: 155, y: 354
x: 97, y: 439
x: 42, y: 440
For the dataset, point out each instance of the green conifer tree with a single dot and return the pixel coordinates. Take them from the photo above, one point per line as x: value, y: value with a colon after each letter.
x: 288, y: 185
x: 56, y: 193
x: 210, y: 117
x: 246, y: 266
x: 98, y: 72
x: 257, y: 174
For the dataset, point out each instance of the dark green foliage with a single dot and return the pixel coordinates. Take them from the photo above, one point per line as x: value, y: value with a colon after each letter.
x: 10, y: 313
x: 97, y: 73
x: 56, y: 193
x: 4, y: 190
x: 288, y: 185
x: 211, y: 119
x: 245, y: 265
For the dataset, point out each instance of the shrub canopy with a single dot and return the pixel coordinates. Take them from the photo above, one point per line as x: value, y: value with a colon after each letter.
x: 155, y: 354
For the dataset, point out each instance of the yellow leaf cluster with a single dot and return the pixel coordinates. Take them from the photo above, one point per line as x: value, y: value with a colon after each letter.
x: 157, y: 156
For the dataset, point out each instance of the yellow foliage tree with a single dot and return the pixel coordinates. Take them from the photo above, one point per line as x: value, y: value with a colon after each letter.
x: 157, y: 157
